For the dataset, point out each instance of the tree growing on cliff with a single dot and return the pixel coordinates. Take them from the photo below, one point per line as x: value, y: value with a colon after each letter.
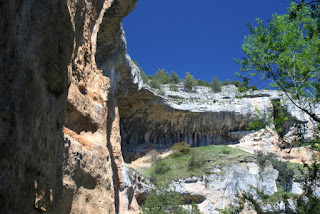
x: 189, y: 82
x: 286, y: 51
x: 174, y: 78
x: 162, y: 76
x: 215, y: 85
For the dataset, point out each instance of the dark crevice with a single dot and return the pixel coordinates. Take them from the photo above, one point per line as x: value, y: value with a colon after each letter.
x: 197, y: 199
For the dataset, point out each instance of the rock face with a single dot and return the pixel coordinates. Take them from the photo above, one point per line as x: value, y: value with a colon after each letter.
x: 149, y: 120
x: 222, y: 187
x: 60, y: 142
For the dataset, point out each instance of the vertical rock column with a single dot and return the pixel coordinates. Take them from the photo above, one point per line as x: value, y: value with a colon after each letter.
x: 54, y: 110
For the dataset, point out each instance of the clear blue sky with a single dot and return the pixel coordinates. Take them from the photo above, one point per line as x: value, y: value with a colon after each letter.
x: 201, y: 37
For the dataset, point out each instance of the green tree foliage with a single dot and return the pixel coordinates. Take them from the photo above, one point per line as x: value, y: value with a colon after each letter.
x: 161, y: 201
x: 253, y: 87
x: 180, y: 148
x: 226, y: 82
x: 173, y: 87
x: 286, y: 50
x: 162, y: 76
x: 161, y: 168
x: 237, y: 83
x: 311, y: 178
x: 142, y: 74
x: 202, y: 83
x: 150, y: 77
x: 196, y: 161
x: 154, y: 83
x: 285, y: 173
x: 174, y: 78
x: 189, y: 82
x: 215, y: 85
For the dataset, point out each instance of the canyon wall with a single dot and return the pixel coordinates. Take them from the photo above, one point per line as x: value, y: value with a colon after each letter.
x: 59, y: 125
x: 156, y: 121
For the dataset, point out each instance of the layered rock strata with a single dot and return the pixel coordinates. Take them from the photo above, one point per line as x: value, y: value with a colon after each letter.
x: 59, y: 122
x: 152, y: 121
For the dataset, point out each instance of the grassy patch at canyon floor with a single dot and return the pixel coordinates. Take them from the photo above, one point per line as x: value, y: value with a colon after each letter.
x: 197, y: 162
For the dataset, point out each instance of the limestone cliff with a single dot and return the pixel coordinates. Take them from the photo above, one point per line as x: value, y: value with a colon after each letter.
x: 149, y: 120
x: 59, y: 139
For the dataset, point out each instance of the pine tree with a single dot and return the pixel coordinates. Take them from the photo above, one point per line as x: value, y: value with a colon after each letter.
x: 175, y: 78
x: 189, y: 82
x: 215, y: 85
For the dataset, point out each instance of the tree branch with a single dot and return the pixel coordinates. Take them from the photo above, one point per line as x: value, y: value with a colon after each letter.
x: 312, y: 115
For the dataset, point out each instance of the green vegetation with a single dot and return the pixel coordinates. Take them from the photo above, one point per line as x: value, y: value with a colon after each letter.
x: 173, y: 87
x: 162, y: 76
x: 278, y: 119
x: 202, y: 83
x: 174, y: 78
x: 286, y: 51
x: 160, y: 91
x: 189, y: 82
x: 162, y: 201
x: 142, y: 74
x: 226, y: 82
x: 215, y: 85
x: 281, y: 195
x: 286, y: 173
x: 155, y: 84
x: 182, y: 164
x: 180, y: 149
x: 161, y: 168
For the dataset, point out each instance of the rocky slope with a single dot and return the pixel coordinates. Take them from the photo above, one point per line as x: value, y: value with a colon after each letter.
x: 60, y: 140
x: 223, y: 187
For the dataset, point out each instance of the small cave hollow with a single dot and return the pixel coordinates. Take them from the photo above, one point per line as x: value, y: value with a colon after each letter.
x: 78, y: 122
x: 197, y: 199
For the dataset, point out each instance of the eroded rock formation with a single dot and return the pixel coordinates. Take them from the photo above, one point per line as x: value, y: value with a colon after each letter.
x: 60, y: 139
x: 150, y: 121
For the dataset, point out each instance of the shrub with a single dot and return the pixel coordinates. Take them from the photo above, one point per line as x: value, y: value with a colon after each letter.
x: 253, y: 87
x: 174, y: 78
x: 215, y: 85
x: 202, y: 83
x: 180, y: 149
x: 256, y: 125
x: 226, y: 82
x: 154, y: 178
x: 162, y: 201
x: 161, y: 168
x: 155, y: 84
x: 142, y: 74
x: 237, y: 83
x: 161, y: 92
x: 162, y: 76
x: 189, y: 82
x: 226, y: 151
x: 173, y: 87
x: 196, y: 161
x: 285, y: 173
